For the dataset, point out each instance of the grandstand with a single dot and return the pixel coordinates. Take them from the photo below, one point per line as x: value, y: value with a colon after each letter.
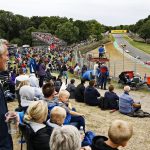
x: 40, y: 38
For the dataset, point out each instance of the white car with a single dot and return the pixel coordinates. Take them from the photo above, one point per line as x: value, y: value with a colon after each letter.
x: 127, y: 51
x: 137, y: 57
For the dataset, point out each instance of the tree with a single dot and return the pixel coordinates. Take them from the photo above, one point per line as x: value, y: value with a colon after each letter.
x: 83, y: 30
x: 95, y: 29
x: 144, y: 31
x: 68, y: 32
x: 43, y: 28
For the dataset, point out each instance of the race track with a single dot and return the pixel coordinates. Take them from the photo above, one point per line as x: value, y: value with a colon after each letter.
x: 132, y: 50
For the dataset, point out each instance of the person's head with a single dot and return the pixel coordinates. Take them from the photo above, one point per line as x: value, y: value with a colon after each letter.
x: 91, y: 83
x: 3, y: 55
x: 72, y: 81
x: 64, y: 96
x: 111, y: 88
x: 120, y: 132
x: 58, y: 115
x: 65, y: 138
x: 83, y: 81
x: 20, y: 71
x: 48, y: 90
x: 37, y: 112
x: 127, y: 89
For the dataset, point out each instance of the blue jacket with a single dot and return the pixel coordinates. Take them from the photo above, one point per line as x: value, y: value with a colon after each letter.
x: 5, y: 138
x: 125, y: 103
x: 91, y: 96
x: 32, y: 65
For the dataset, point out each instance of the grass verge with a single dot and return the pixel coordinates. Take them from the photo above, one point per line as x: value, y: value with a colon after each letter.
x: 142, y: 46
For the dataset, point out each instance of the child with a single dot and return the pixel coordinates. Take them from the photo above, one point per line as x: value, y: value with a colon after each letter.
x: 119, y: 134
x: 75, y: 116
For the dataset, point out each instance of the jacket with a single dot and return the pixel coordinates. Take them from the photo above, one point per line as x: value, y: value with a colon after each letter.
x: 111, y: 100
x: 71, y: 89
x: 79, y: 93
x: 41, y: 70
x: 91, y: 96
x: 98, y: 143
x: 5, y: 138
x: 39, y: 137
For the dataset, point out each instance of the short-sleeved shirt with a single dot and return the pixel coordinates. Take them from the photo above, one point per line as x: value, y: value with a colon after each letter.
x: 125, y: 104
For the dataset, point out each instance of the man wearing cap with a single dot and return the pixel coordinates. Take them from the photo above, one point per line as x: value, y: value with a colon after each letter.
x: 5, y: 138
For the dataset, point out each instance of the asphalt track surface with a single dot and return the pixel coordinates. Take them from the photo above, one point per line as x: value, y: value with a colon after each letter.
x: 132, y: 50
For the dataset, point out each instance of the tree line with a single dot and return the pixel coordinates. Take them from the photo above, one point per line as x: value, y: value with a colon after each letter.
x: 141, y: 27
x: 17, y: 28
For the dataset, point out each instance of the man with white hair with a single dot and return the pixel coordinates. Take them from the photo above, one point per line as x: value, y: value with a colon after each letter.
x: 129, y: 107
x: 5, y: 138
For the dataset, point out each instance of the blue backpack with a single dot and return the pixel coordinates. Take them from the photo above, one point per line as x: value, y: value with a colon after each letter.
x: 87, y: 141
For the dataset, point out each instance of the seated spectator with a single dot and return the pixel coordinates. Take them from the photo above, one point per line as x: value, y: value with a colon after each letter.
x: 71, y: 89
x: 34, y: 82
x: 119, y: 134
x: 66, y: 138
x: 57, y: 117
x: 49, y: 92
x: 27, y: 95
x: 129, y: 107
x: 75, y: 116
x: 35, y: 116
x: 91, y: 94
x: 111, y: 99
x: 22, y: 77
x: 79, y: 91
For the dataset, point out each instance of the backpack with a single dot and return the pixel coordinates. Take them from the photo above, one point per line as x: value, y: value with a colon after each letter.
x: 87, y: 141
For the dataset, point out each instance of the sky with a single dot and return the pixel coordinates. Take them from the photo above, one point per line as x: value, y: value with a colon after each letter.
x: 107, y: 12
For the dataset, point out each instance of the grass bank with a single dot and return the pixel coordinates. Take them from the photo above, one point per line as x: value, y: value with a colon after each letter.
x: 94, y: 45
x: 142, y: 46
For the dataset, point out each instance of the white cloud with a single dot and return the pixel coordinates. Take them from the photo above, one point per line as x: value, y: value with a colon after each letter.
x: 108, y: 12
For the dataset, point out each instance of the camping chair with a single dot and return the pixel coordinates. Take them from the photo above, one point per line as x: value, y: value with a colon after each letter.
x: 26, y: 132
x: 137, y: 83
x: 148, y: 82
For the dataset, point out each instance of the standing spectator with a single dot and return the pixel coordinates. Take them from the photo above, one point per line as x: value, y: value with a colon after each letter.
x: 41, y: 72
x: 104, y: 73
x: 64, y: 71
x: 5, y: 138
x: 84, y: 69
x: 101, y: 51
x: 79, y: 92
x: 32, y: 64
x: 91, y: 95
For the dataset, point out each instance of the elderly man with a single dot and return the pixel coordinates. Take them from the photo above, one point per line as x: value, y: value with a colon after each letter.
x: 129, y: 107
x: 5, y: 138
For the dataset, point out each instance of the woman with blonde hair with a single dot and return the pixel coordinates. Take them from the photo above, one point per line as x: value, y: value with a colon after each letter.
x: 35, y: 116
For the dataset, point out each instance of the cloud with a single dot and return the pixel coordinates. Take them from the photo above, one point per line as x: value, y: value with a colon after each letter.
x: 108, y: 12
